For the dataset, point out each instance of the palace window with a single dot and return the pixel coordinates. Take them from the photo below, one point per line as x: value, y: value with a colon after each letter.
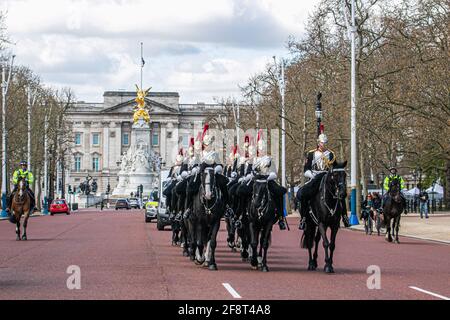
x: 78, y: 139
x: 95, y: 163
x: 126, y: 139
x: 155, y: 139
x: 77, y: 163
x: 96, y: 139
x: 185, y: 142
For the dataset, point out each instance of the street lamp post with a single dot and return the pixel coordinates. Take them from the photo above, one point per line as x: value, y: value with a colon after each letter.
x: 353, y: 217
x: 5, y: 86
x: 45, y: 206
x: 282, y: 88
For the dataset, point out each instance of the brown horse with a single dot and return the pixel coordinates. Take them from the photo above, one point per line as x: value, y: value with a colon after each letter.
x: 393, y: 207
x: 21, y: 205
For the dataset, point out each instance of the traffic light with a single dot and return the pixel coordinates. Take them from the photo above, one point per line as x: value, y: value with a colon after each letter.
x: 70, y: 189
x: 108, y: 188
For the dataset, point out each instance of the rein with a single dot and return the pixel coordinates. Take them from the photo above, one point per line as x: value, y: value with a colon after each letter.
x: 334, y: 196
x: 260, y: 210
x: 216, y: 197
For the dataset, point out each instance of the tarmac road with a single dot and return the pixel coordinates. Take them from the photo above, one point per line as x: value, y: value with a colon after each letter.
x: 122, y: 257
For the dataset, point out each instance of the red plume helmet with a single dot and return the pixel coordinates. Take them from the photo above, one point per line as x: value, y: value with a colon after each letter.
x: 205, y: 129
x: 191, y: 142
x: 322, y: 128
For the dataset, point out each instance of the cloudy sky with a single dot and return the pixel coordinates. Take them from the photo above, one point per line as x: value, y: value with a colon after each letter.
x: 199, y: 48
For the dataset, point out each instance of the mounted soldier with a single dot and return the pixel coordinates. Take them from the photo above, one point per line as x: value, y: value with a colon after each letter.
x: 387, y: 182
x: 317, y: 163
x: 27, y: 176
x: 194, y: 156
x: 210, y: 158
x: 264, y: 166
x: 172, y: 179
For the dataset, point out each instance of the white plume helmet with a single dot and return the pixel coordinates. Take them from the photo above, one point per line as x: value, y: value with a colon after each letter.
x: 206, y: 137
x: 261, y: 144
x: 252, y: 149
x: 322, y: 138
x: 179, y: 158
x: 198, y: 143
x: 191, y: 150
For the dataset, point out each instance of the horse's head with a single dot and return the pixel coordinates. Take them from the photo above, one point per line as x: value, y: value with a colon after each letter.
x: 208, y: 183
x: 394, y: 189
x: 21, y: 186
x: 338, y: 180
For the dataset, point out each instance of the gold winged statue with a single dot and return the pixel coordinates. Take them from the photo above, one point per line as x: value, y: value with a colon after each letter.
x: 141, y: 110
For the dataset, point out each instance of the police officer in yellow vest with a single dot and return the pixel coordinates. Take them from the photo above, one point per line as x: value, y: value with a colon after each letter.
x: 28, y: 177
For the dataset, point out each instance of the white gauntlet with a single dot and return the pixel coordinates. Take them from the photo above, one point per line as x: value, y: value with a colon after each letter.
x: 309, y: 174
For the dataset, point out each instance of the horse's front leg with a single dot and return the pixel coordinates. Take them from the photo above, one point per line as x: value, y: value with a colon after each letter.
x: 334, y: 231
x: 213, y: 243
x: 199, y: 257
x: 18, y: 230
x: 316, y: 237
x: 397, y: 227
x: 265, y: 245
x: 388, y: 229
x: 25, y: 223
x: 254, y: 235
x: 326, y: 245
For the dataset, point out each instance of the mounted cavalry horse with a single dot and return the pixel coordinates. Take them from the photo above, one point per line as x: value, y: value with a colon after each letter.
x: 208, y: 208
x: 262, y: 216
x: 327, y: 208
x: 392, y: 210
x: 21, y: 205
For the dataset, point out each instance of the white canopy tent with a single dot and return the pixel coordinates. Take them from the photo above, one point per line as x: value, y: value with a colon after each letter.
x: 437, y: 189
x: 412, y: 192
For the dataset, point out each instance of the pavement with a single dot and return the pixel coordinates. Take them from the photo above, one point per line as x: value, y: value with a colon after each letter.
x: 122, y: 257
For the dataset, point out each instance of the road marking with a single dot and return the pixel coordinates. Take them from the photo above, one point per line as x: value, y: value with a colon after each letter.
x: 231, y: 290
x: 430, y: 293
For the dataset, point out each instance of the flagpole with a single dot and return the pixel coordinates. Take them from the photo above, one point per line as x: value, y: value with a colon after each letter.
x: 142, y: 60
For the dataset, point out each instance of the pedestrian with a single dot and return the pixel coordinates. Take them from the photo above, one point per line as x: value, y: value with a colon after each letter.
x: 102, y: 204
x: 423, y: 198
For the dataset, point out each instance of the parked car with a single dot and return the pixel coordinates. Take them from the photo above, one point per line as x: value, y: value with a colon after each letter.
x: 150, y: 213
x: 123, y: 204
x: 135, y: 203
x: 162, y: 217
x: 59, y: 206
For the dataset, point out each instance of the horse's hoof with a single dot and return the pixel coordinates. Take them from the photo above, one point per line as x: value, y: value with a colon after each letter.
x: 397, y: 241
x: 254, y: 263
x: 244, y: 259
x: 212, y: 267
x: 328, y: 269
x: 265, y: 269
x: 260, y: 266
x: 231, y: 244
x: 312, y: 266
x: 197, y: 262
x: 192, y: 258
x: 24, y: 238
x: 18, y: 239
x: 244, y: 254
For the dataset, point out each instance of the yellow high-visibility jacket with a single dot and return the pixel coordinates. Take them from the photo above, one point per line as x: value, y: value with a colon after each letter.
x: 27, y: 175
x: 388, y: 180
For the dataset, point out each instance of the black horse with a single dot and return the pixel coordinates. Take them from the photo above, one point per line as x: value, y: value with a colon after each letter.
x: 326, y: 208
x: 208, y: 209
x: 182, y: 223
x: 262, y: 216
x: 244, y: 192
x: 392, y: 210
x: 230, y: 220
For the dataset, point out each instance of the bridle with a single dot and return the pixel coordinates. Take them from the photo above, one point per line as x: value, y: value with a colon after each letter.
x: 215, y: 193
x: 264, y: 205
x: 334, y: 195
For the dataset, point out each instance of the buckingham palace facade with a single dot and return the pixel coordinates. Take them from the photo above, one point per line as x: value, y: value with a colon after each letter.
x: 102, y: 132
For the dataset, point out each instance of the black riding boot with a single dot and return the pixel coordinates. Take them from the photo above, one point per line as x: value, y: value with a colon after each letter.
x: 10, y: 199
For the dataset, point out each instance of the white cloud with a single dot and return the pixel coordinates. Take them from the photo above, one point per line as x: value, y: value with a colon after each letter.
x: 200, y: 48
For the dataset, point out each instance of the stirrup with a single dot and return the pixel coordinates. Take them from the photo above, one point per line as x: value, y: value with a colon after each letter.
x: 228, y: 212
x: 282, y: 225
x: 302, y: 224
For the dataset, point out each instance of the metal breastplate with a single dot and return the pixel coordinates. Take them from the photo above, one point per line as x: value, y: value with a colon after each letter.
x: 321, y: 160
x: 209, y: 157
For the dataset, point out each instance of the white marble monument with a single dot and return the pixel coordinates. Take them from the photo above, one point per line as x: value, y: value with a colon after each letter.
x: 139, y: 165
